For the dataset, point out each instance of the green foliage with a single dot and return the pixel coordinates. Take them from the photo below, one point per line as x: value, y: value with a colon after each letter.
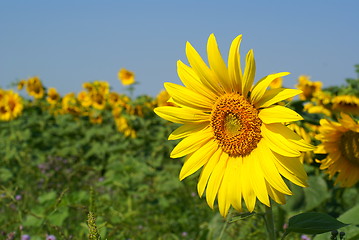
x: 65, y: 176
x: 313, y: 223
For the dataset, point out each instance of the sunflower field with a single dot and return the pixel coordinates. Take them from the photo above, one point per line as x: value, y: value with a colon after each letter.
x: 96, y: 165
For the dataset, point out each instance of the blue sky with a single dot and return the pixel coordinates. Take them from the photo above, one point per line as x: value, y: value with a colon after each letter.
x: 67, y: 43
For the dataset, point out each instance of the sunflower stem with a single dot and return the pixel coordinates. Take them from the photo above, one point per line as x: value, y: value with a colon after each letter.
x: 225, y: 224
x: 269, y: 220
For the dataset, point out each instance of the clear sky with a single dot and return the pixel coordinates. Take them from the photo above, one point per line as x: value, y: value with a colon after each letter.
x: 67, y: 43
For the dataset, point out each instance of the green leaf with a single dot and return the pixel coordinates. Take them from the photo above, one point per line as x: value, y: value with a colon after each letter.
x: 313, y: 223
x: 5, y: 174
x: 316, y: 193
x: 47, y: 197
x: 57, y: 218
x: 32, y: 221
x: 351, y: 216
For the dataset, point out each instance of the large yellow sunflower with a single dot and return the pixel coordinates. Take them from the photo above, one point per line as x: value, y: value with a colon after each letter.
x: 233, y: 130
x: 340, y: 140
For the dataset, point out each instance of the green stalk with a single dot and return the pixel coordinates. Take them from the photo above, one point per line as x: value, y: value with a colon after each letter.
x: 270, y: 223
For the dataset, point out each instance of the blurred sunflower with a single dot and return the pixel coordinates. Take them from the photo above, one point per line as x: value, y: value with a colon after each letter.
x: 162, y: 99
x: 322, y: 98
x: 116, y: 112
x: 114, y: 99
x: 10, y: 105
x: 306, y: 157
x: 308, y: 87
x: 88, y: 86
x: 102, y: 87
x: 346, y: 103
x: 340, y: 140
x: 320, y: 109
x: 95, y: 118
x: 124, y: 127
x: 234, y: 130
x: 84, y: 98
x: 21, y: 84
x: 127, y: 77
x: 70, y: 104
x: 52, y: 96
x: 98, y: 100
x: 34, y: 87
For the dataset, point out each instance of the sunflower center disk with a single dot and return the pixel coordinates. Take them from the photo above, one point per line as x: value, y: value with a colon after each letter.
x: 349, y: 146
x: 235, y: 124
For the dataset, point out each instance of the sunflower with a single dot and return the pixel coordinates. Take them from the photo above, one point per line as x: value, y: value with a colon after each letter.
x: 162, y: 99
x: 88, y: 86
x: 313, y: 109
x: 124, y: 127
x: 127, y: 77
x: 52, y: 96
x: 95, y: 118
x: 84, y: 98
x: 346, y: 103
x: 308, y: 87
x: 102, y: 87
x: 34, y: 87
x: 303, y: 131
x: 21, y: 84
x: 340, y: 140
x: 234, y: 131
x: 70, y: 104
x: 114, y: 99
x: 98, y: 100
x: 10, y: 105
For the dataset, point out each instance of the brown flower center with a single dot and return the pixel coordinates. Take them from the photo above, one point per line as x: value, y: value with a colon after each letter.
x: 236, y: 124
x: 349, y: 146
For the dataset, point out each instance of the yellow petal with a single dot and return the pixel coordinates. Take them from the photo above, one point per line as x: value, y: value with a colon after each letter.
x: 224, y: 194
x: 290, y: 176
x: 234, y: 65
x: 348, y: 122
x: 247, y: 189
x: 249, y: 73
x: 215, y: 180
x: 277, y: 196
x: 294, y: 140
x: 207, y: 171
x: 186, y: 130
x: 192, y: 143
x: 278, y: 114
x: 198, y: 159
x: 188, y: 98
x: 257, y: 179
x: 278, y: 143
x: 191, y: 80
x: 275, y: 95
x: 182, y: 115
x: 291, y: 166
x: 234, y: 183
x: 202, y: 70
x: 217, y: 64
x: 260, y: 88
x: 270, y: 171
